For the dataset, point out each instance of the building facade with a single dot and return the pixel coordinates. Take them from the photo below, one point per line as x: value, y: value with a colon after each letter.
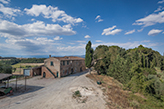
x: 56, y: 67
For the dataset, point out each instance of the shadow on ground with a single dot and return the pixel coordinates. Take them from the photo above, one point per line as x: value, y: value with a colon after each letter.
x: 77, y: 74
x: 21, y: 90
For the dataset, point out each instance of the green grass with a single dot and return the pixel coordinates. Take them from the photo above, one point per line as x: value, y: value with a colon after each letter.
x: 149, y: 103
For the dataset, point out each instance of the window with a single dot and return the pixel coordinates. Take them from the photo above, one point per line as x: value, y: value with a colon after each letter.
x: 51, y: 63
x: 63, y: 62
x: 67, y: 62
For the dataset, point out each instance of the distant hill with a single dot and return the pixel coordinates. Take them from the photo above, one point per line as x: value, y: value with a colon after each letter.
x: 37, y: 56
x: 7, y: 57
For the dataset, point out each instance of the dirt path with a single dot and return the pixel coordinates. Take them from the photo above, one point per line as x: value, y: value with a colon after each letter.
x: 56, y: 94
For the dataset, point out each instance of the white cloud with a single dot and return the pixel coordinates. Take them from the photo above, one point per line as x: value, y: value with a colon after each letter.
x: 79, y: 41
x: 38, y: 45
x: 32, y: 19
x: 140, y: 30
x: 130, y: 32
x: 44, y: 46
x: 127, y: 45
x: 98, y: 18
x: 52, y: 12
x: 154, y: 32
x: 58, y: 38
x: 98, y: 41
x: 38, y: 28
x: 151, y: 19
x: 84, y: 26
x: 9, y: 12
x: 111, y: 31
x: 72, y: 48
x: 161, y: 1
x: 5, y: 1
x: 159, y: 9
x: 87, y: 36
x: 36, y: 40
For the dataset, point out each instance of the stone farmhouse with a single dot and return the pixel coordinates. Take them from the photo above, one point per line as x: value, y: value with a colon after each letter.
x: 56, y: 67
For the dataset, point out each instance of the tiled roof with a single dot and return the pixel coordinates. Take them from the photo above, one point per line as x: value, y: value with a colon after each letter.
x: 69, y: 58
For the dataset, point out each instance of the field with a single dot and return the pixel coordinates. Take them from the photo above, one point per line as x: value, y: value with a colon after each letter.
x: 26, y: 65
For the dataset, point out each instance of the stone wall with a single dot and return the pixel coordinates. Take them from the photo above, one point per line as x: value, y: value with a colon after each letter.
x: 47, y: 73
x: 74, y: 66
x: 62, y: 67
x: 35, y: 71
x: 55, y: 67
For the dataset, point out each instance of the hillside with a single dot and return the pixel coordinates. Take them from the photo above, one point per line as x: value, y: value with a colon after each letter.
x: 140, y: 70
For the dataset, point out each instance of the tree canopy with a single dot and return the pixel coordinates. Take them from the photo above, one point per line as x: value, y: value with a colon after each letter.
x: 88, y: 55
x: 139, y: 69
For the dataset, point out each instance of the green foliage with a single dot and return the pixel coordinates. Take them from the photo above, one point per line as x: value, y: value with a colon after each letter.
x: 162, y: 63
x: 33, y: 60
x: 135, y: 68
x: 5, y: 68
x: 120, y: 69
x: 88, y: 55
x: 77, y: 94
x: 11, y: 62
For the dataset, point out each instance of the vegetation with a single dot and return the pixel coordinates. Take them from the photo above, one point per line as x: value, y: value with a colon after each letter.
x: 33, y: 60
x: 13, y: 60
x: 7, y: 63
x: 89, y: 55
x: 140, y: 70
x: 77, y: 94
x: 5, y: 68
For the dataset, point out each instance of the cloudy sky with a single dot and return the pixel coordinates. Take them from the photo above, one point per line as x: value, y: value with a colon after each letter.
x: 63, y: 27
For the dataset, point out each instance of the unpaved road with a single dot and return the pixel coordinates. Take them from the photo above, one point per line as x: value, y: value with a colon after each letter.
x: 56, y: 94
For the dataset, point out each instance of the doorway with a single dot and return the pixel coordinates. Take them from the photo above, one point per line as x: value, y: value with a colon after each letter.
x: 57, y: 74
x: 81, y: 69
x: 71, y: 70
x: 44, y: 74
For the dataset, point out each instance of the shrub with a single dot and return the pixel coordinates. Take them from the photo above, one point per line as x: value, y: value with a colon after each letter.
x: 77, y: 94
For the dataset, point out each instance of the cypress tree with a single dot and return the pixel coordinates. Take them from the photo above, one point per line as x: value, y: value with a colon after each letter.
x: 88, y: 55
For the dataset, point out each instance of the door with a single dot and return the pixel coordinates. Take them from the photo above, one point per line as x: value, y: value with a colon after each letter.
x: 44, y: 74
x: 72, y: 70
x: 57, y: 74
x: 81, y: 69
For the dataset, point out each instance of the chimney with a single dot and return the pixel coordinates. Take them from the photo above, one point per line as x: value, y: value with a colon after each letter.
x: 49, y: 56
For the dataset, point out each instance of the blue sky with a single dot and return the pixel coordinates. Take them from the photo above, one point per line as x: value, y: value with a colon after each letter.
x: 63, y: 27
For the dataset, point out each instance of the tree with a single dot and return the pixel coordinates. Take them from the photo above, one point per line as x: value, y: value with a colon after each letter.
x: 89, y: 55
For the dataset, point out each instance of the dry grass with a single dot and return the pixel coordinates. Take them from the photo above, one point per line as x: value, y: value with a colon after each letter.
x: 26, y: 64
x: 113, y: 90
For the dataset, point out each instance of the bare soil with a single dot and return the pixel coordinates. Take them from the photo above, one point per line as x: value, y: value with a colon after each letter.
x: 42, y: 93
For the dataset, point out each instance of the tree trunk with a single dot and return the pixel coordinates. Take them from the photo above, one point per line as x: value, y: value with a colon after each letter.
x: 89, y: 70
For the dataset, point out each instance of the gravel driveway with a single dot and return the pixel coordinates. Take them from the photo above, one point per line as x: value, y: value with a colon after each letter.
x: 56, y: 94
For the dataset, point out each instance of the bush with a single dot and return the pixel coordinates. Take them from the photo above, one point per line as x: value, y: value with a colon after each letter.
x: 156, y: 87
x: 77, y: 94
